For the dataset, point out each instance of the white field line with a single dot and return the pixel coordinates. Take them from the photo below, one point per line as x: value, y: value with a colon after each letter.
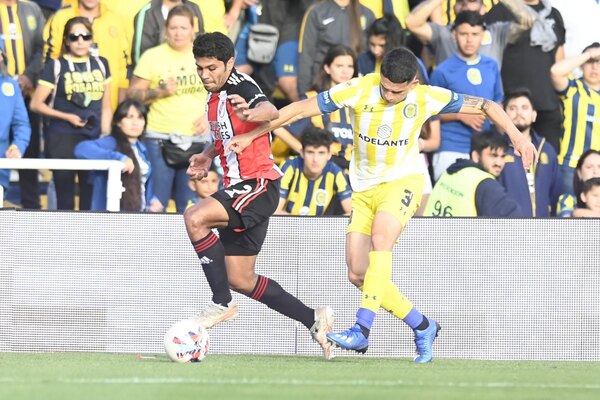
x: 300, y: 382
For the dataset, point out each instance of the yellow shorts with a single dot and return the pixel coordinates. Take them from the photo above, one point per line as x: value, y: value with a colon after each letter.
x: 400, y: 198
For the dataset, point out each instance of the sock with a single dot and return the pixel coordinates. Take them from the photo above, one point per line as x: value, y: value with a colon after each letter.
x: 416, y: 320
x: 376, y: 279
x: 394, y: 302
x: 211, y: 253
x: 364, y: 319
x: 271, y: 294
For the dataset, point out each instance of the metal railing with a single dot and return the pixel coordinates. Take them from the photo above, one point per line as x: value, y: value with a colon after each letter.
x: 114, y: 184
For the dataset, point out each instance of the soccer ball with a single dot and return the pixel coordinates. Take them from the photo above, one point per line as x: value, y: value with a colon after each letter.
x: 186, y: 341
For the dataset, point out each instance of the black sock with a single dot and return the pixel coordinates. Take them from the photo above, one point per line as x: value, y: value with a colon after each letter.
x: 423, y: 325
x: 271, y: 294
x: 364, y: 330
x: 211, y: 253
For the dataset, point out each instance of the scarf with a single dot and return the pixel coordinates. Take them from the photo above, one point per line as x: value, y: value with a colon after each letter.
x: 542, y: 33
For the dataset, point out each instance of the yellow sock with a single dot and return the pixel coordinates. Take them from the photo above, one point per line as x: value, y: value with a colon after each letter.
x: 395, y: 302
x: 376, y: 278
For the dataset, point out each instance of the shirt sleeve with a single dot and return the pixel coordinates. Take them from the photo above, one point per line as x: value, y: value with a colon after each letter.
x: 249, y: 92
x: 491, y: 200
x: 47, y: 76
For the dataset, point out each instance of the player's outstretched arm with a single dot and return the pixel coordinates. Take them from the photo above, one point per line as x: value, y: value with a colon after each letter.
x: 523, y: 146
x: 289, y: 114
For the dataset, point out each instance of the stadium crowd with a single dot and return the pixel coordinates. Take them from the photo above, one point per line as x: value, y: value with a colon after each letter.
x: 88, y: 78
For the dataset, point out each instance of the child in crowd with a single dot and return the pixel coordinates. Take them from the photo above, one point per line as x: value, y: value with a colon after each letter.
x: 590, y: 196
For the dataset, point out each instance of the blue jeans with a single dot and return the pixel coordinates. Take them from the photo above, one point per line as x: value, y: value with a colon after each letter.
x: 168, y: 180
x: 565, y: 178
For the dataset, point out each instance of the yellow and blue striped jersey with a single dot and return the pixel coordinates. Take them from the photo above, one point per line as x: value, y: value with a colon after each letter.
x: 12, y: 36
x: 581, y: 125
x: 386, y: 135
x: 311, y: 197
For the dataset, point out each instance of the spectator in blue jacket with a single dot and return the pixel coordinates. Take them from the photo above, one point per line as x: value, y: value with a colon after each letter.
x: 13, y: 116
x: 535, y: 190
x: 123, y: 144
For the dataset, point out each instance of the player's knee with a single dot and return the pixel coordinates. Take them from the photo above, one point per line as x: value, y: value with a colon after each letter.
x: 356, y: 279
x: 194, y: 219
x: 241, y: 284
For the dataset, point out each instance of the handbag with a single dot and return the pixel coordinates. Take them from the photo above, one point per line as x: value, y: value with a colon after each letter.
x: 177, y: 155
x: 262, y: 43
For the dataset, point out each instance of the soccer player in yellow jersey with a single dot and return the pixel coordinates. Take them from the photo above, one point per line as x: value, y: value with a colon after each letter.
x: 388, y: 109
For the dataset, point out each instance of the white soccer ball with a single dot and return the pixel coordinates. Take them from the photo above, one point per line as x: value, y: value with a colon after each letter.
x: 186, y: 341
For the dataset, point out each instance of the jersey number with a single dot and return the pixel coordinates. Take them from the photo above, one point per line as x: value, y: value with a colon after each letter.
x: 408, y: 198
x: 441, y: 211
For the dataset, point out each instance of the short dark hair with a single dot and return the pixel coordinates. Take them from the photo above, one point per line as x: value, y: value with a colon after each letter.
x: 472, y: 18
x: 591, y: 46
x: 399, y: 65
x: 488, y: 139
x: 316, y: 137
x: 214, y: 45
x: 516, y: 93
x: 590, y: 184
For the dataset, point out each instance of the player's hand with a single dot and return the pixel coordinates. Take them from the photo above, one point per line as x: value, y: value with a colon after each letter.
x: 473, y: 121
x: 238, y: 143
x: 199, y: 166
x: 240, y: 107
x: 128, y: 166
x: 525, y: 149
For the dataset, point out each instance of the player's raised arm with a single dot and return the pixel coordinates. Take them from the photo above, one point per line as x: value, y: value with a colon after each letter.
x: 287, y: 115
x: 496, y: 114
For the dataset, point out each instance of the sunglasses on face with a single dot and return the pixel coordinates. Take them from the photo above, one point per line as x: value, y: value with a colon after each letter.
x: 74, y: 37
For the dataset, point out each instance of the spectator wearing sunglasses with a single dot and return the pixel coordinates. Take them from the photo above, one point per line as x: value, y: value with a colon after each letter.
x: 109, y: 41
x: 77, y: 86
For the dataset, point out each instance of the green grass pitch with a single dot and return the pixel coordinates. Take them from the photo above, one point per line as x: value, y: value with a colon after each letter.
x: 90, y: 376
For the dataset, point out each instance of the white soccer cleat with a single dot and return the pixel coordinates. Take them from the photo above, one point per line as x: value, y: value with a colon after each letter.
x: 215, y: 313
x: 323, y: 325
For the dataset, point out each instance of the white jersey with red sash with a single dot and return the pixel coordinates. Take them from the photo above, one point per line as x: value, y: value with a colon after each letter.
x: 256, y: 161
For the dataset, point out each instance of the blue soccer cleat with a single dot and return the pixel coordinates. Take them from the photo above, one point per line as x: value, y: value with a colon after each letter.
x: 424, y: 341
x: 351, y: 339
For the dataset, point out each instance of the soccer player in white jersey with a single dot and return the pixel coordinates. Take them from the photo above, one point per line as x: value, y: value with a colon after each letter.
x: 388, y: 111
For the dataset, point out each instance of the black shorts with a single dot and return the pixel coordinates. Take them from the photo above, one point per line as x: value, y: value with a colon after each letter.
x: 249, y: 205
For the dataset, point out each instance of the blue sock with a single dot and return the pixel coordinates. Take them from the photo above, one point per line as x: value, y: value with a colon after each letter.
x: 414, y: 318
x: 365, y: 318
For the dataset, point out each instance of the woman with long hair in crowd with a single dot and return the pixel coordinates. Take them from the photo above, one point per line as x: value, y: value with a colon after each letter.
x: 123, y: 144
x: 78, y: 85
x: 339, y: 65
x: 165, y: 79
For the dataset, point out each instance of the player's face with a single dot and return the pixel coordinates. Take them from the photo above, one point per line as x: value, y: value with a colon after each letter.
x: 590, y: 168
x: 79, y: 40
x: 377, y: 45
x: 180, y: 32
x: 492, y: 160
x: 341, y: 69
x: 591, y: 72
x: 213, y: 73
x: 592, y: 199
x: 394, y: 93
x: 315, y: 159
x: 133, y: 123
x: 207, y: 185
x: 521, y: 112
x: 468, y: 39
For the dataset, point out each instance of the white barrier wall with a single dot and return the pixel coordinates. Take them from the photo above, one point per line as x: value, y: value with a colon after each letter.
x: 101, y: 282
